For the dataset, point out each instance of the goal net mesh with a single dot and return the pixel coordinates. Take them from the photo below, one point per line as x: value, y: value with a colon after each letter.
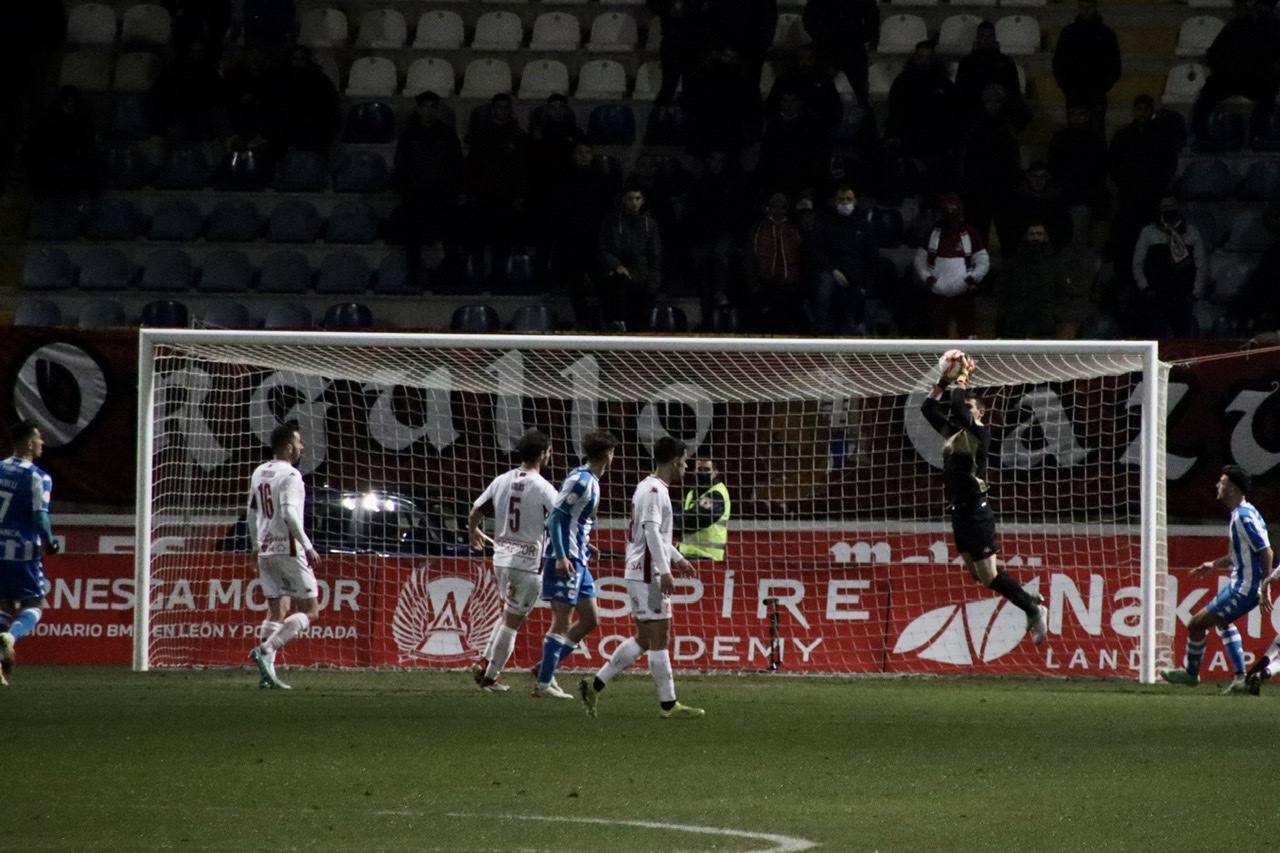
x: 840, y: 556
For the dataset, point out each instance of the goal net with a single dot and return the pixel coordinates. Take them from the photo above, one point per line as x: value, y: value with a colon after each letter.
x: 840, y: 557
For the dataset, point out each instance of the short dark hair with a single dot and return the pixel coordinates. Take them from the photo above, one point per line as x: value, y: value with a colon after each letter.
x: 423, y: 98
x: 282, y: 435
x: 597, y: 444
x: 668, y: 449
x: 1239, y: 477
x: 21, y: 431
x: 500, y: 98
x: 532, y: 445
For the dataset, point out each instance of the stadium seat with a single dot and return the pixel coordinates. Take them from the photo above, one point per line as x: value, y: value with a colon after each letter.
x: 1205, y: 180
x: 921, y: 3
x: 91, y: 23
x: 54, y: 219
x: 1184, y: 83
x: 294, y: 221
x: 285, y: 271
x: 1229, y: 271
x: 498, y: 31
x: 225, y: 271
x: 165, y: 314
x: 382, y: 29
x: 880, y: 76
x: 475, y: 320
x: 302, y: 171
x: 167, y: 269
x: 900, y: 33
x: 956, y: 35
x: 101, y: 314
x: 611, y: 124
x: 136, y: 72
x: 543, y: 77
x: 352, y: 222
x: 234, y: 220
x: 361, y: 172
x: 329, y: 66
x: 534, y: 318
x: 146, y: 24
x: 1261, y: 181
x: 486, y: 78
x: 429, y: 75
x: 1267, y: 136
x: 113, y: 219
x: 37, y: 312
x: 103, y: 268
x: 87, y: 70
x: 47, y: 269
x: 892, y: 227
x: 129, y: 119
x: 176, y: 219
x: 343, y: 271
x: 602, y: 80
x: 1249, y: 233
x: 1207, y: 224
x: 1209, y: 4
x: 653, y: 40
x: 439, y: 30
x: 241, y: 170
x: 666, y: 126
x: 555, y: 31
x: 392, y: 278
x: 789, y: 33
x: 1223, y: 131
x: 724, y: 320
x: 372, y: 77
x: 226, y: 314
x: 1196, y: 34
x: 126, y: 167
x: 613, y: 32
x: 287, y: 315
x: 1019, y: 35
x: 648, y: 82
x: 183, y: 169
x: 370, y: 122
x: 348, y: 315
x: 768, y: 76
x: 666, y: 318
x: 323, y: 28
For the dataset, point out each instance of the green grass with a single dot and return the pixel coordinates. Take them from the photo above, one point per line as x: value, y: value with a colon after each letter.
x: 106, y: 759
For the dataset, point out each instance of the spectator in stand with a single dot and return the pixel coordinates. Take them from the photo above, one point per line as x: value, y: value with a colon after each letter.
x: 774, y: 271
x: 205, y: 21
x: 1086, y: 62
x: 924, y: 118
x: 952, y: 264
x: 62, y: 153
x: 1255, y: 307
x: 579, y: 205
x: 1037, y: 200
x: 984, y: 66
x: 1036, y: 290
x: 428, y: 176
x: 553, y: 134
x: 1243, y: 60
x: 1142, y: 161
x: 269, y: 21
x: 991, y: 165
x: 748, y: 27
x: 843, y: 32
x: 812, y: 83
x: 305, y: 106
x: 629, y: 256
x: 722, y: 104
x: 713, y: 225
x: 30, y: 49
x: 250, y: 93
x: 1078, y: 163
x: 685, y: 26
x: 189, y: 98
x: 498, y: 180
x: 795, y: 153
x: 846, y: 253
x: 1170, y: 267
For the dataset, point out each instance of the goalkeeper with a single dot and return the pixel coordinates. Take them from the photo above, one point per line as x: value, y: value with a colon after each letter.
x: 964, y: 462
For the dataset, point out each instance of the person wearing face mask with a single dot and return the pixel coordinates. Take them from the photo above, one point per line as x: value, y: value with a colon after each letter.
x: 1032, y: 282
x: 951, y: 264
x: 773, y: 269
x: 1169, y: 270
x: 846, y: 250
x: 704, y: 522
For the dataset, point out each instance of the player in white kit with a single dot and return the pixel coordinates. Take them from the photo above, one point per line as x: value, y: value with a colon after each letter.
x: 651, y: 561
x: 519, y: 501
x: 286, y: 557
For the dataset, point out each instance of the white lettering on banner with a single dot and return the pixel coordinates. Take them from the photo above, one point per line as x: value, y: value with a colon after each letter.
x: 686, y: 648
x: 585, y: 376
x: 692, y: 591
x: 724, y: 648
x: 726, y: 604
x: 1245, y: 448
x: 80, y: 630
x: 286, y: 396
x: 837, y: 596
x: 75, y: 366
x: 508, y: 403
x: 1063, y: 591
x: 769, y: 588
x: 861, y: 552
x: 181, y: 417
x: 119, y: 630
x: 237, y: 594
x: 386, y: 428
x: 648, y: 426
x: 611, y: 598
x: 1175, y: 466
x: 1054, y: 429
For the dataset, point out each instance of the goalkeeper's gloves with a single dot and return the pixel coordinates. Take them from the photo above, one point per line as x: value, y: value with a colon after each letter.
x: 52, y: 547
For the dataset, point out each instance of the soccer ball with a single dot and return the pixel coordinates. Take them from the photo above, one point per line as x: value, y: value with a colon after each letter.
x: 952, y: 363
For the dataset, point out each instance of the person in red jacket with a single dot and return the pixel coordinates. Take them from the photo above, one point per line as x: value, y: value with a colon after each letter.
x: 951, y: 264
x: 774, y: 273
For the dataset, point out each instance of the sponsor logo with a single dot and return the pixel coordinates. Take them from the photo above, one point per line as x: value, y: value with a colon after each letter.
x: 445, y: 619
x: 977, y: 631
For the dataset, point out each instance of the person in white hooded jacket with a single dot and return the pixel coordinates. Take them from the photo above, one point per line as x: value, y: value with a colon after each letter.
x: 951, y: 264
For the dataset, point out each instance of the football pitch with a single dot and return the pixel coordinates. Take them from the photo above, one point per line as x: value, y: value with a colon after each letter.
x: 102, y: 758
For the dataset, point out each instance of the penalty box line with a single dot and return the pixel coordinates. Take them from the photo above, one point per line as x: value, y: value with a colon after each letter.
x: 781, y: 843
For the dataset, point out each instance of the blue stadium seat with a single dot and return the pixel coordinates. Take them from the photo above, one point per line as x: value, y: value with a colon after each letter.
x: 667, y: 318
x: 176, y: 219
x: 348, y: 315
x: 113, y: 219
x: 1261, y: 181
x: 392, y: 278
x: 1267, y: 136
x: 611, y: 124
x: 302, y: 171
x: 609, y: 167
x: 361, y: 172
x: 891, y: 225
x: 101, y: 314
x: 1211, y: 231
x: 519, y: 272
x: 105, y: 268
x: 666, y: 126
x: 287, y: 315
x: 234, y: 220
x: 167, y: 269
x: 183, y: 169
x: 724, y: 320
x: 343, y: 271
x: 1249, y: 233
x: 286, y: 271
x: 1222, y: 131
x: 226, y: 314
x: 166, y: 314
x: 475, y: 319
x: 37, y: 312
x: 47, y: 269
x: 126, y: 167
x: 225, y: 271
x: 534, y: 318
x: 1205, y: 180
x: 129, y: 121
x: 54, y: 219
x: 294, y: 221
x: 352, y: 222
x: 240, y: 171
x: 370, y: 122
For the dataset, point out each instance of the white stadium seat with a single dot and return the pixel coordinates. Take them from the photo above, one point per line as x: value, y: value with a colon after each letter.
x: 918, y: 3
x: 1022, y: 3
x: 136, y: 72
x: 768, y: 76
x: 89, y: 70
x: 323, y: 28
x: 881, y: 74
x: 146, y: 23
x: 542, y: 78
x: 485, y: 78
x: 382, y: 29
x: 555, y: 31
x: 329, y: 66
x: 790, y: 32
x: 372, y: 76
x: 602, y: 79
x: 1197, y: 34
x: 901, y: 33
x: 91, y: 23
x: 956, y: 34
x: 498, y: 31
x: 1209, y: 4
x: 613, y: 32
x: 429, y: 74
x: 439, y: 30
x: 1019, y: 35
x: 1183, y: 84
x: 648, y: 81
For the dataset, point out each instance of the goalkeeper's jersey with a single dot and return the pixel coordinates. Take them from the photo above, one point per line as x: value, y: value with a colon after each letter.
x: 964, y: 454
x: 521, y: 500
x: 276, y: 493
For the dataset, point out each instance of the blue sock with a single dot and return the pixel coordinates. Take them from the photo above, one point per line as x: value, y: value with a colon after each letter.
x: 1195, y: 654
x: 25, y: 622
x: 1235, y: 649
x: 552, y: 646
x: 566, y: 649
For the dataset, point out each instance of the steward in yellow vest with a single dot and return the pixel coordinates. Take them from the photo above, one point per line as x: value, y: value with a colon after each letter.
x: 704, y: 521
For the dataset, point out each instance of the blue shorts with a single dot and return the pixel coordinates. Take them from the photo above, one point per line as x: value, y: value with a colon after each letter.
x: 22, y: 579
x: 1230, y: 604
x: 579, y: 584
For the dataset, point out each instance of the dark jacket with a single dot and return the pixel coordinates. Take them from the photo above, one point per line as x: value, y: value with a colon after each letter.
x: 840, y: 24
x: 1142, y: 160
x: 580, y: 205
x: 1078, y: 161
x: 498, y: 161
x: 979, y: 69
x: 745, y: 25
x: 631, y: 241
x: 1031, y: 285
x: 1086, y: 61
x: 923, y: 110
x: 817, y: 93
x: 1246, y: 50
x: 428, y: 158
x: 850, y: 244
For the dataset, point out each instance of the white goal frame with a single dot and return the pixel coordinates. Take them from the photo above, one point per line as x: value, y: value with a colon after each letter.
x: 1154, y: 388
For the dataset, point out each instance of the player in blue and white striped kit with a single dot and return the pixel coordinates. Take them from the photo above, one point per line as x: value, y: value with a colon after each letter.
x: 566, y: 578
x: 24, y: 536
x: 1249, y: 558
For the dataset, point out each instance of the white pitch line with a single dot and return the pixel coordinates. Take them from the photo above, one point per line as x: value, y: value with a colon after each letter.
x: 781, y: 843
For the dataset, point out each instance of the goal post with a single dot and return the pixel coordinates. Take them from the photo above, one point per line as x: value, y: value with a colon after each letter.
x: 838, y: 516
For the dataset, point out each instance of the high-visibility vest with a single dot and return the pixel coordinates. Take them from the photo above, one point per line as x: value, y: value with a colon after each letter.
x: 709, y: 542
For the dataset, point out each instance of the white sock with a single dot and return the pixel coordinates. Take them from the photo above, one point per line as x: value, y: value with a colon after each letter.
x: 493, y: 637
x: 623, y: 656
x: 500, y: 646
x: 294, y: 624
x: 269, y: 627
x: 663, y: 680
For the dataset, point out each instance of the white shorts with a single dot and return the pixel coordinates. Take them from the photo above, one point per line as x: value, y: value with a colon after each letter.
x: 284, y: 574
x: 648, y: 604
x: 519, y: 589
